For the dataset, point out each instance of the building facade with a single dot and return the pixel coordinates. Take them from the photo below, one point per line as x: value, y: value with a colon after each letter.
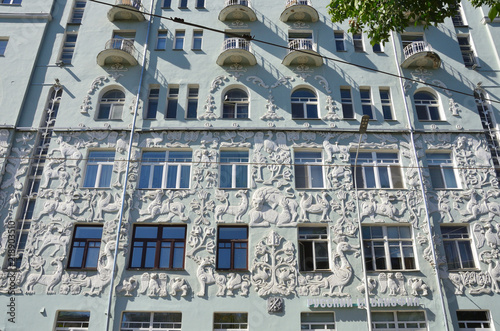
x: 203, y: 168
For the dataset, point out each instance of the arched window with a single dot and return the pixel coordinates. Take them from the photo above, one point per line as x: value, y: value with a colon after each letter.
x: 235, y: 104
x: 427, y: 106
x: 111, y: 105
x: 304, y: 104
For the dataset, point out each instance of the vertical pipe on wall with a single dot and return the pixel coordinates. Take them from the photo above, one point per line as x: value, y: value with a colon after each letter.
x: 127, y: 169
x: 421, y: 181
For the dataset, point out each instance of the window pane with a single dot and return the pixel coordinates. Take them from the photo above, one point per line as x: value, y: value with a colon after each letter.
x: 172, y: 177
x: 436, y: 178
x: 241, y: 176
x: 76, y: 256
x: 174, y: 232
x: 165, y: 255
x: 144, y: 179
x: 185, y: 173
x: 225, y: 176
x: 233, y: 233
x: 90, y: 176
x: 316, y: 176
x: 144, y: 232
x: 224, y: 257
x: 92, y: 255
x: 88, y: 232
x: 369, y: 177
x: 240, y: 258
x: 106, y: 172
x: 300, y: 176
x: 449, y: 177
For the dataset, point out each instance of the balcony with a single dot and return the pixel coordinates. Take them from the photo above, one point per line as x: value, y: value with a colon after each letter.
x: 126, y: 10
x: 118, y: 51
x: 237, y: 10
x: 236, y: 50
x: 302, y: 51
x: 299, y: 10
x: 420, y: 54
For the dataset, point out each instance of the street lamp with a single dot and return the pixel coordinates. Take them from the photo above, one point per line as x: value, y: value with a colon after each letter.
x: 362, y: 130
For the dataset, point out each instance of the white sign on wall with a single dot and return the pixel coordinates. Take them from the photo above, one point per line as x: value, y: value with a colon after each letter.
x: 361, y: 303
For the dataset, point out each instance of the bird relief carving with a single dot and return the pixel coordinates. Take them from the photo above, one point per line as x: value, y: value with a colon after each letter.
x: 274, y: 267
x: 163, y: 210
x: 225, y: 209
x: 156, y: 285
x: 392, y: 283
x: 322, y: 206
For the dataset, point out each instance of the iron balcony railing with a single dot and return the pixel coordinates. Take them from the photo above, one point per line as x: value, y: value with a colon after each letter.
x: 237, y: 2
x: 132, y: 3
x: 236, y: 43
x: 123, y: 44
x: 290, y: 3
x: 416, y: 47
x: 301, y: 44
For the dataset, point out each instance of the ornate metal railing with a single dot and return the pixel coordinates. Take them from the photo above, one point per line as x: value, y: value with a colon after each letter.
x: 290, y: 3
x: 132, y: 3
x: 123, y: 44
x: 237, y: 2
x: 416, y: 47
x: 236, y: 43
x: 301, y: 44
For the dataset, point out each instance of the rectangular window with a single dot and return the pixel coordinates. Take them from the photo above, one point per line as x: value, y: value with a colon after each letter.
x: 172, y: 101
x: 154, y: 94
x: 161, y: 40
x: 385, y: 99
x: 165, y: 169
x: 78, y: 9
x: 183, y: 4
x: 192, y: 102
x: 377, y: 170
x: 458, y: 19
x: 158, y: 321
x: 167, y: 4
x: 230, y: 321
x: 474, y: 320
x: 200, y: 4
x: 308, y: 170
x: 85, y: 248
x: 232, y: 248
x: 179, y: 39
x: 441, y: 170
x: 158, y: 247
x: 68, y: 48
x: 457, y: 247
x: 388, y: 248
x: 317, y: 321
x: 304, y: 104
x: 300, y: 40
x: 72, y: 320
x: 3, y: 46
x: 234, y: 169
x: 467, y: 51
x: 407, y: 38
x: 339, y: 41
x: 197, y: 39
x: 10, y: 2
x: 357, y: 39
x: 399, y: 320
x: 313, y: 249
x: 377, y: 48
x: 346, y: 101
x: 366, y: 101
x: 99, y: 169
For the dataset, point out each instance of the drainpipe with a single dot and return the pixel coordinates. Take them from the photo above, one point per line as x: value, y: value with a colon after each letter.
x: 421, y: 180
x: 127, y: 169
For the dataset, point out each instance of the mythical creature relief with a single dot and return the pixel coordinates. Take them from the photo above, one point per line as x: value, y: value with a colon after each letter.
x: 58, y: 172
x: 322, y: 206
x: 164, y: 208
x: 48, y: 280
x: 278, y: 153
x: 265, y: 201
x: 371, y: 207
x: 341, y: 276
x: 274, y: 267
x: 16, y: 166
x: 56, y: 234
x: 104, y: 204
x: 394, y: 284
x: 478, y: 207
x: 55, y: 204
x: 68, y: 151
x: 237, y: 211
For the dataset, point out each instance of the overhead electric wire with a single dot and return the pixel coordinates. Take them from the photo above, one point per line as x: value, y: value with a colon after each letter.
x: 251, y: 38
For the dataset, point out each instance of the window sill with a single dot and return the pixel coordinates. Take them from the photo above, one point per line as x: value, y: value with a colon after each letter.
x: 159, y: 49
x: 306, y: 119
x: 392, y: 270
x: 379, y: 188
x: 150, y: 269
x: 427, y: 121
x: 81, y: 269
x: 464, y: 269
x: 310, y: 188
x: 446, y: 189
x: 163, y: 188
x: 234, y: 188
x: 177, y: 49
x: 96, y: 188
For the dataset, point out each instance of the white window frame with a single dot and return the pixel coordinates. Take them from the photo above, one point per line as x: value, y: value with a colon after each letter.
x: 234, y: 164
x: 151, y: 325
x: 71, y: 325
x: 200, y: 4
x: 347, y: 102
x: 430, y: 103
x: 171, y: 98
x: 179, y: 37
x: 386, y: 103
x: 231, y: 326
x: 183, y: 4
x: 468, y: 50
x: 461, y: 16
x: 161, y: 37
x: 166, y: 165
x: 10, y: 2
x: 357, y: 41
x: 236, y: 103
x: 197, y: 37
x: 376, y: 163
x: 75, y: 18
x: 116, y: 107
x: 311, y: 326
x: 3, y: 49
x: 396, y: 324
x: 313, y: 239
x: 165, y: 2
x: 192, y: 98
x: 100, y: 165
x: 442, y: 164
x: 485, y: 325
x: 308, y: 164
x: 380, y: 46
x: 366, y: 102
x: 459, y: 238
x: 306, y: 101
x: 153, y: 99
x: 404, y: 244
x: 336, y: 37
x: 68, y: 47
x: 413, y: 36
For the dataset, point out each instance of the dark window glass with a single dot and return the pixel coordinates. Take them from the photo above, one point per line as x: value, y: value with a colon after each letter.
x: 232, y: 248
